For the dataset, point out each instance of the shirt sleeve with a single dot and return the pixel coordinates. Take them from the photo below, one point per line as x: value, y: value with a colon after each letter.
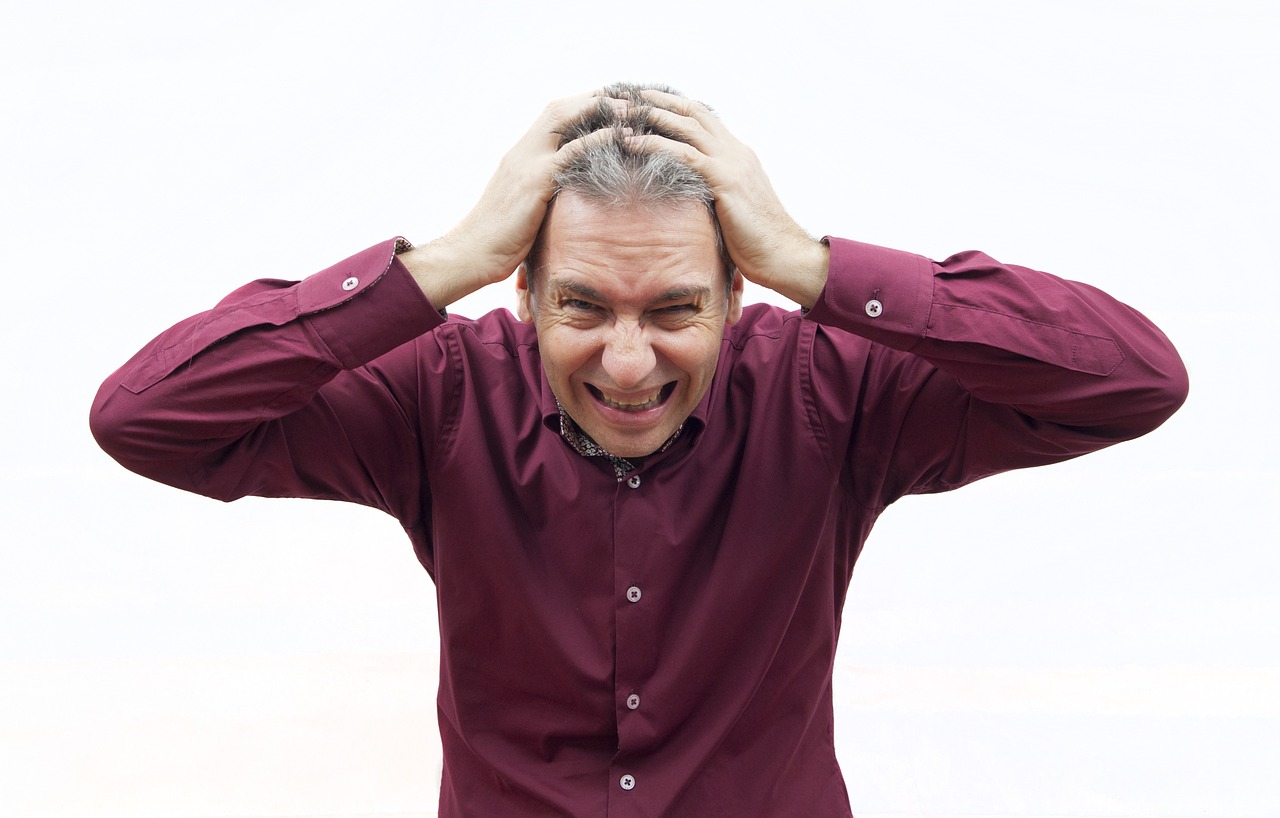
x: 975, y: 367
x: 302, y: 389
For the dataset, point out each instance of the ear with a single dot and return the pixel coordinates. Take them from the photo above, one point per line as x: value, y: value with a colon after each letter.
x: 524, y: 298
x: 734, y: 311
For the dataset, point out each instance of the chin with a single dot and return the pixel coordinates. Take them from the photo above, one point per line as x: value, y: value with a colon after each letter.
x: 633, y: 447
x: 630, y: 449
x: 642, y: 451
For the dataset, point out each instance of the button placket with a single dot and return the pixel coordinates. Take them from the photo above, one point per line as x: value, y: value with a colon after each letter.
x: 634, y: 648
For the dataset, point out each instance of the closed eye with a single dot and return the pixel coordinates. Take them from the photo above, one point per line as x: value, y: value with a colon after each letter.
x: 676, y: 312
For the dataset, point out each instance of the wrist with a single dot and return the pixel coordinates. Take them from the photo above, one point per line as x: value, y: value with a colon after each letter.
x: 443, y: 274
x: 805, y: 273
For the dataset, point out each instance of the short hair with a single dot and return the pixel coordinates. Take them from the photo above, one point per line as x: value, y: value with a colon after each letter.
x: 612, y: 172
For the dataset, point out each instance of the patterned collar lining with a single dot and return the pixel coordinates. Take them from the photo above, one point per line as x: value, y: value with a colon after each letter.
x: 587, y: 447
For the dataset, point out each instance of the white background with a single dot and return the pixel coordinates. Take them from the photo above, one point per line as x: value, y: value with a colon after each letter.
x: 1100, y: 638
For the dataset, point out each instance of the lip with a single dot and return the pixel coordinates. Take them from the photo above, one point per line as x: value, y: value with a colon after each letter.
x: 636, y: 408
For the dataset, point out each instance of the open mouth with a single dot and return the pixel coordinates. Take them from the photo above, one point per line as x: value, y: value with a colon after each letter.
x: 634, y: 403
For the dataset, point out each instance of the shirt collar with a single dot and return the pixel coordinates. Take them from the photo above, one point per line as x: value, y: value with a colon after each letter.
x: 585, y: 446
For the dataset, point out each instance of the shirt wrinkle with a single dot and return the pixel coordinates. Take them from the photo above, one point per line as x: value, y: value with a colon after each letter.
x: 714, y: 595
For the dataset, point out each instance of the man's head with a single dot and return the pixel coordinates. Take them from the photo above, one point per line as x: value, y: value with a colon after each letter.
x: 628, y: 286
x: 615, y: 173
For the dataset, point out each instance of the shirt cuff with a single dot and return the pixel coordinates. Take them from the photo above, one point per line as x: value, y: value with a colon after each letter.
x: 367, y: 305
x: 881, y: 294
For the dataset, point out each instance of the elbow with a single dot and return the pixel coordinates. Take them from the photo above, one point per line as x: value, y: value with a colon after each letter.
x: 130, y: 431
x: 109, y: 423
x: 1174, y: 384
x: 1177, y: 387
x: 154, y: 439
x: 1164, y: 390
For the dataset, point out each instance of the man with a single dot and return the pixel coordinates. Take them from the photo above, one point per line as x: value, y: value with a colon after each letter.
x: 641, y: 502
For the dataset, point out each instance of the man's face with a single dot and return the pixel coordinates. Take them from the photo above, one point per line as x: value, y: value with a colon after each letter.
x: 630, y: 307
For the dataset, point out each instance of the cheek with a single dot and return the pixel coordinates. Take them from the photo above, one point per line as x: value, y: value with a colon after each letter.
x: 564, y: 351
x: 695, y: 355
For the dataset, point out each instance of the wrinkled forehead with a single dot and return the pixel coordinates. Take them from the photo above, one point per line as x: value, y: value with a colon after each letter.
x: 580, y: 234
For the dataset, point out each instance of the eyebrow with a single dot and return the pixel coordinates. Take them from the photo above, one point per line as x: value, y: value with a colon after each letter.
x: 579, y: 289
x: 681, y: 293
x: 673, y: 294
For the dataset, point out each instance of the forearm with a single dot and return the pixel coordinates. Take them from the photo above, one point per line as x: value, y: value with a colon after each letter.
x: 445, y: 272
x: 805, y: 271
x: 1059, y: 351
x: 202, y: 396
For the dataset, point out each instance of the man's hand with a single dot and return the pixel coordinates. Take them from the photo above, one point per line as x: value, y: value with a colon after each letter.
x: 495, y: 237
x: 766, y: 244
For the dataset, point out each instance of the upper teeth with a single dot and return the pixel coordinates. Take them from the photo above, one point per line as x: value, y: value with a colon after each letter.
x: 632, y: 404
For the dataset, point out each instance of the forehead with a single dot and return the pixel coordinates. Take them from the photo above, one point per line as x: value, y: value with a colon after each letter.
x: 634, y: 249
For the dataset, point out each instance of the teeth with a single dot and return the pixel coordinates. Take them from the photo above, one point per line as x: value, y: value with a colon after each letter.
x: 633, y: 406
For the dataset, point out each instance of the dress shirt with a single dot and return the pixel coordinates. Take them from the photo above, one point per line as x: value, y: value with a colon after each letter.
x: 660, y: 644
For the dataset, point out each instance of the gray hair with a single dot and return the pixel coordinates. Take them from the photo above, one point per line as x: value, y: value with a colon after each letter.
x: 614, y: 173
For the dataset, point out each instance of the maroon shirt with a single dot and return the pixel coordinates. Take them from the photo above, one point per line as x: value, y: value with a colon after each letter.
x: 660, y: 644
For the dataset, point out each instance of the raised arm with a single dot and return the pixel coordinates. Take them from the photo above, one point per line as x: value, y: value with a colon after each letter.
x: 310, y: 388
x: 978, y: 367
x: 1005, y: 367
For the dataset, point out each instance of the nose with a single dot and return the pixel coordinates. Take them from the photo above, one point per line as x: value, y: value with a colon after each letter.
x: 628, y: 356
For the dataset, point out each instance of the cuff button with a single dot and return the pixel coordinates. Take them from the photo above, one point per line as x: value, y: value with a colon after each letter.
x: 874, y: 308
x: 351, y: 283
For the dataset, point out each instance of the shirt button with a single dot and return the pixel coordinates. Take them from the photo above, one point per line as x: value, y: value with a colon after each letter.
x: 634, y: 481
x: 351, y: 283
x: 874, y: 308
x: 633, y: 701
x: 633, y: 594
x: 627, y: 782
